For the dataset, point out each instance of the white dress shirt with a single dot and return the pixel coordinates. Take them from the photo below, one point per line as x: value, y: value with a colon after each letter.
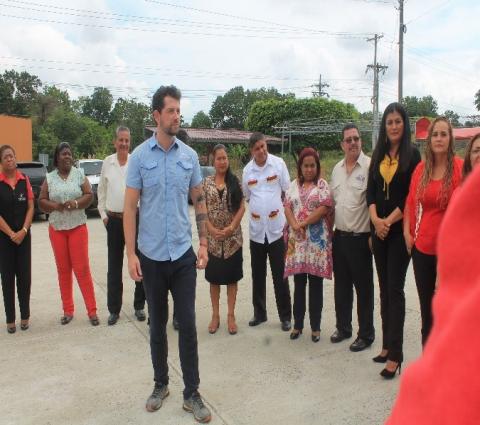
x: 111, y: 188
x: 263, y: 187
x: 349, y: 192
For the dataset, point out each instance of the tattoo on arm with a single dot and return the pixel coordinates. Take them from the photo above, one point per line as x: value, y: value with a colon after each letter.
x: 201, y: 220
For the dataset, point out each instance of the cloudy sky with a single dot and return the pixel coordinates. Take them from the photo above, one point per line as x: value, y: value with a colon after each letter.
x: 207, y: 47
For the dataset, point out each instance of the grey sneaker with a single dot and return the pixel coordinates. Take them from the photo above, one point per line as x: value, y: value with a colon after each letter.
x: 194, y: 404
x: 154, y: 402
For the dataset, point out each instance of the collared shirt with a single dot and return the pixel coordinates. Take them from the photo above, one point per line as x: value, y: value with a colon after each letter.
x: 263, y: 187
x: 111, y: 188
x: 60, y: 190
x: 349, y: 192
x: 19, y: 176
x: 164, y: 178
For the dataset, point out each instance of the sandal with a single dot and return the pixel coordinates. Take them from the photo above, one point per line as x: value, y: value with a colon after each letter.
x: 232, y: 326
x: 94, y: 320
x: 211, y: 327
x: 11, y: 329
x: 24, y: 325
x: 65, y: 320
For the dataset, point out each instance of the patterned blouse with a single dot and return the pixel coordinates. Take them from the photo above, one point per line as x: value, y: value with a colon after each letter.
x: 220, y: 217
x: 313, y: 253
x: 60, y: 190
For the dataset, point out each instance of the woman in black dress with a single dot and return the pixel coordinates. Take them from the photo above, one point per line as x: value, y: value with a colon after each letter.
x: 16, y: 214
x: 225, y: 208
x: 391, y: 168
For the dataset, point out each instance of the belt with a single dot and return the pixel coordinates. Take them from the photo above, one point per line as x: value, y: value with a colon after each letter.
x: 115, y: 214
x: 342, y: 234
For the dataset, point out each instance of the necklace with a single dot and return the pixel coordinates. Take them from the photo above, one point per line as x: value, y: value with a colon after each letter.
x: 64, y: 178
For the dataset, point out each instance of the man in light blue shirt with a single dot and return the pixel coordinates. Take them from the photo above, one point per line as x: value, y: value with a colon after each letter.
x: 161, y: 173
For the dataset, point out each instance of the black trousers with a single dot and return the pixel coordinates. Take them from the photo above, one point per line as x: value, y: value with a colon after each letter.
x: 315, y: 300
x: 180, y: 278
x: 276, y: 255
x: 116, y: 246
x: 391, y: 258
x: 353, y: 267
x: 425, y: 270
x: 16, y: 262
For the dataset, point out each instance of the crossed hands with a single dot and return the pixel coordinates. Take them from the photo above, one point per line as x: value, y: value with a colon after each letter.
x: 382, y: 227
x: 300, y: 229
x: 222, y: 234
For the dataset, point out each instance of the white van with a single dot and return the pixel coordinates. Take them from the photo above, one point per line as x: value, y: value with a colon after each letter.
x: 92, y: 169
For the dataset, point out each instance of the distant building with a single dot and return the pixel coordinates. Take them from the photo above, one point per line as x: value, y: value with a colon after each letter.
x: 17, y: 132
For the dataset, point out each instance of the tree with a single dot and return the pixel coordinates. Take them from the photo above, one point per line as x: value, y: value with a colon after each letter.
x: 477, y: 99
x: 420, y: 107
x: 231, y: 109
x: 98, y: 105
x: 18, y: 92
x: 453, y: 117
x: 86, y: 136
x: 201, y: 120
x: 132, y: 114
x: 266, y: 114
x: 50, y: 99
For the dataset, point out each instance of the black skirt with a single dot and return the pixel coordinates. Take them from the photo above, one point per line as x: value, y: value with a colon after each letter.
x: 221, y: 271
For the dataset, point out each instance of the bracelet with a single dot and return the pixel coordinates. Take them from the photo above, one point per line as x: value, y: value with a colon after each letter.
x: 25, y: 230
x: 76, y: 204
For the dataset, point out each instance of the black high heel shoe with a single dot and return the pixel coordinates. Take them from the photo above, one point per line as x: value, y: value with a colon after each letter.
x: 316, y: 338
x: 390, y: 375
x: 295, y: 333
x: 380, y: 359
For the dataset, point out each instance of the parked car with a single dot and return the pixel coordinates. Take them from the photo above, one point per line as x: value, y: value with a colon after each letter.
x: 206, y: 171
x: 36, y: 173
x: 92, y: 169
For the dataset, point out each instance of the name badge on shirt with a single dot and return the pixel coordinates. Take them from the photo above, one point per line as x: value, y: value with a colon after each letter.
x: 21, y: 197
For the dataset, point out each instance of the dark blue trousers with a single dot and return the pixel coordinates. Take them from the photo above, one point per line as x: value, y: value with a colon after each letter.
x: 180, y: 278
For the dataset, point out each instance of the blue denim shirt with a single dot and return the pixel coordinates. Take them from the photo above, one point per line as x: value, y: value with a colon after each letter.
x: 164, y: 178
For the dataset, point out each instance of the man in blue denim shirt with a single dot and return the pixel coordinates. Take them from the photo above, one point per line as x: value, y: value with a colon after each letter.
x: 161, y: 173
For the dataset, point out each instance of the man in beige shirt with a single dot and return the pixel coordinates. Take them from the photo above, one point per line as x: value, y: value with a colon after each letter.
x: 352, y: 257
x: 111, y: 195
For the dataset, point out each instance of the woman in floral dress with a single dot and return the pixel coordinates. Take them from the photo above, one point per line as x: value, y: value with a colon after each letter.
x: 309, y: 213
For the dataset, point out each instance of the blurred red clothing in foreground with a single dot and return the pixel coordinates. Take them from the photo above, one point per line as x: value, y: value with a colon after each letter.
x: 443, y: 386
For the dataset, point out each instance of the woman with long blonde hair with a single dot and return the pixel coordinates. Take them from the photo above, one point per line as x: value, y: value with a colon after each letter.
x: 431, y: 188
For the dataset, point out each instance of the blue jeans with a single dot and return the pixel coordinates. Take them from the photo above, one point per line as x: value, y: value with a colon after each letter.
x: 180, y: 277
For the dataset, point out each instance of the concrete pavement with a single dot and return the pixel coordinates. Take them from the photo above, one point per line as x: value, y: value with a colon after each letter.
x: 79, y: 374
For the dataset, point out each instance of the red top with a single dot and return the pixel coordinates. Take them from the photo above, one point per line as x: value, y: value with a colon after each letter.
x: 443, y: 386
x: 426, y: 216
x: 18, y: 176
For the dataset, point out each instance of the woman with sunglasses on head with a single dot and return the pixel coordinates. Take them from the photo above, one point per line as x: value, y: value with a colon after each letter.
x: 431, y: 188
x: 64, y: 195
x: 391, y: 168
x: 16, y: 214
x: 309, y: 214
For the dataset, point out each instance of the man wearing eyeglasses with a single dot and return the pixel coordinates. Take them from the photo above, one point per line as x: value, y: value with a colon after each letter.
x: 352, y: 257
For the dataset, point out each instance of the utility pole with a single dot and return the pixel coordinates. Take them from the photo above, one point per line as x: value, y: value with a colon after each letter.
x: 377, y: 68
x: 402, y: 30
x: 320, y: 86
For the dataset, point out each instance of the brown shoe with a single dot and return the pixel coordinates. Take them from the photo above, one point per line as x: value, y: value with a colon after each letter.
x: 214, y: 325
x: 232, y: 325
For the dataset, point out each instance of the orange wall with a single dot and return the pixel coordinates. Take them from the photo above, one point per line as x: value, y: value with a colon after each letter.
x: 17, y: 132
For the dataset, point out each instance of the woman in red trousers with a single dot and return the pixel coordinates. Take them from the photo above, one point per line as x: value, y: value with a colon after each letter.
x: 64, y: 195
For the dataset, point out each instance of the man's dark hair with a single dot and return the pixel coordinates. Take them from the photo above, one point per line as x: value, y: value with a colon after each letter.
x: 349, y: 126
x: 183, y: 136
x: 254, y: 138
x: 158, y: 101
